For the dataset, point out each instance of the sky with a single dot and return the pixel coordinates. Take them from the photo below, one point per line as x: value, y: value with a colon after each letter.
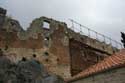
x: 104, y: 16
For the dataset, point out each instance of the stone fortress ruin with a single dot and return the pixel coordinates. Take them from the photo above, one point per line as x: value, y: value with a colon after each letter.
x: 60, y: 49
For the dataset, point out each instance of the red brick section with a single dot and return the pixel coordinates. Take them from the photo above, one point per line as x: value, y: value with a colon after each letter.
x: 114, y: 61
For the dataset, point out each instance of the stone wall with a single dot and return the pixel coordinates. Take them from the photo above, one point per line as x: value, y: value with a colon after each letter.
x: 49, y: 45
x: 83, y: 56
x: 94, y: 43
x: 111, y: 76
x: 25, y: 71
x: 53, y: 45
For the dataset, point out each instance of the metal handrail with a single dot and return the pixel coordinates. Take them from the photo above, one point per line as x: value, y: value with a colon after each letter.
x: 112, y: 41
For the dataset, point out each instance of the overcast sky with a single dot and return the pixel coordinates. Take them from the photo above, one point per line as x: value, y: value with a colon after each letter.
x: 104, y: 16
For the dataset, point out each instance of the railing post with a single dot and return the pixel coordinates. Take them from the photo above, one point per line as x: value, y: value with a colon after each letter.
x: 121, y: 45
x: 89, y: 32
x: 104, y: 38
x: 96, y: 35
x: 110, y: 41
x: 116, y: 44
x: 80, y: 28
x: 72, y: 24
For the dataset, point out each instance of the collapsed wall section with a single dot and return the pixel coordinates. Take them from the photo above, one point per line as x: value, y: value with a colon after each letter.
x: 48, y: 45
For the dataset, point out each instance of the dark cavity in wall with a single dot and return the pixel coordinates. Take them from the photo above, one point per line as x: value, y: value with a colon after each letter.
x: 34, y: 55
x: 24, y: 59
x: 46, y: 54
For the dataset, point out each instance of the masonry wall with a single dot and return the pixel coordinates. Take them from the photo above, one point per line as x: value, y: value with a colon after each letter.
x: 59, y: 48
x: 85, y: 51
x: 48, y: 44
x: 111, y: 76
x: 83, y: 56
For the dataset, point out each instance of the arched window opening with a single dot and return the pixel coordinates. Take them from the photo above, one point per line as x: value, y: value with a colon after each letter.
x: 46, y: 25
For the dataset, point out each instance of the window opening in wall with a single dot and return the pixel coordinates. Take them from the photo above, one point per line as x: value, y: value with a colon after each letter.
x: 24, y: 59
x: 98, y: 58
x: 46, y: 25
x: 46, y: 38
x: 46, y: 54
x: 34, y: 55
x: 47, y: 41
x: 1, y: 52
x: 47, y: 60
x: 57, y: 59
x: 6, y: 47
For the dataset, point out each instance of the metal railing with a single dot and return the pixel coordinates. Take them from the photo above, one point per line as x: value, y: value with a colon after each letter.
x: 83, y: 30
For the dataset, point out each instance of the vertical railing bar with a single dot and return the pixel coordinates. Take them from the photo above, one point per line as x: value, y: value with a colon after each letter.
x: 80, y: 28
x: 72, y: 24
x: 96, y: 35
x: 116, y: 44
x: 89, y: 34
x: 121, y: 45
x: 104, y: 38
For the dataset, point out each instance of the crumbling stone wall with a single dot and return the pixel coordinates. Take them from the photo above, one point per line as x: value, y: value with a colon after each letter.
x: 57, y: 47
x: 24, y: 71
x: 46, y: 44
